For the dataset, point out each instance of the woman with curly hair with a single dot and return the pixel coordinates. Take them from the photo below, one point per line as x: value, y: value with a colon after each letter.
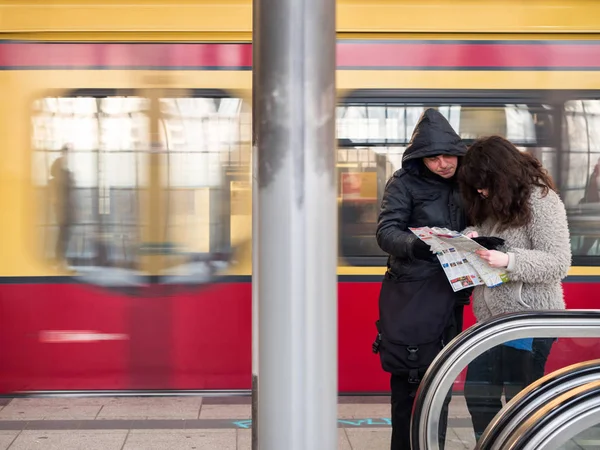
x: 509, y: 195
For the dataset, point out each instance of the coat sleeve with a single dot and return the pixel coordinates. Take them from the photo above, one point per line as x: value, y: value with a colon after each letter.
x: 550, y: 258
x: 469, y: 230
x: 392, y: 229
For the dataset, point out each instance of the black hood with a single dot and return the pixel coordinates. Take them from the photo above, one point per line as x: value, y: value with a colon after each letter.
x: 433, y: 135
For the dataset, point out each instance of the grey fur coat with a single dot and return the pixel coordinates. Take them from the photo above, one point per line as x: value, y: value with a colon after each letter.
x: 539, y: 258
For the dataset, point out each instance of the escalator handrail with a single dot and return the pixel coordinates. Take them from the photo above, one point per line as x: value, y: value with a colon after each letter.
x: 476, y: 340
x: 535, y: 396
x: 579, y: 405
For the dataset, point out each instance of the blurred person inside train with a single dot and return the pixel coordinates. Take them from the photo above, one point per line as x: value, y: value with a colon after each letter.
x: 509, y: 195
x: 418, y: 310
x: 61, y: 186
x: 591, y: 198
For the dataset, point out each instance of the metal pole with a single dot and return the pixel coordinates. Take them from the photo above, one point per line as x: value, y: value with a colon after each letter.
x: 255, y: 221
x: 255, y: 309
x: 294, y: 119
x: 255, y: 259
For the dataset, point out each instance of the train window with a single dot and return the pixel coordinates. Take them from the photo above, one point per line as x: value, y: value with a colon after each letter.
x: 88, y: 170
x: 581, y: 173
x: 372, y: 138
x: 116, y: 206
x: 208, y: 157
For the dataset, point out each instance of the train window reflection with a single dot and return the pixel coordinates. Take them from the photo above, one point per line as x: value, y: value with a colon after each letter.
x: 581, y: 172
x: 372, y: 138
x: 88, y: 169
x: 206, y: 149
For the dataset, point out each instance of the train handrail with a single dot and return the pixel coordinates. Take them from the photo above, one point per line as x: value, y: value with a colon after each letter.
x: 558, y: 421
x: 476, y: 340
x: 534, y: 396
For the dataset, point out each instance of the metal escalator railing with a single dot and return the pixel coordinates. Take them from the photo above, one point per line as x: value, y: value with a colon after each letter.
x: 470, y: 344
x: 559, y: 421
x: 533, y: 397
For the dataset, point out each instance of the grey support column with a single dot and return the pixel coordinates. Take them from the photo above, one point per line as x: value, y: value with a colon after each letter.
x: 296, y: 251
x: 255, y: 221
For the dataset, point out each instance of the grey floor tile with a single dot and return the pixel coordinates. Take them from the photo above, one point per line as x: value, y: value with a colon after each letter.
x: 162, y: 424
x: 61, y: 401
x: 226, y: 412
x: 18, y: 412
x: 6, y: 438
x: 363, y: 411
x: 181, y: 440
x: 466, y: 435
x: 343, y: 440
x: 69, y: 440
x: 453, y: 442
x: 152, y: 408
x: 156, y: 401
x: 244, y: 440
x: 230, y: 400
x: 13, y: 425
x: 369, y: 438
x: 53, y: 425
x: 458, y: 407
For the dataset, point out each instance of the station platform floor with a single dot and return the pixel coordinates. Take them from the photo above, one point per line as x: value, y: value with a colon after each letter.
x: 194, y: 423
x: 199, y: 423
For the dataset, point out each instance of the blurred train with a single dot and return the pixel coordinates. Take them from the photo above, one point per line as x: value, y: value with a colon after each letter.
x: 125, y: 181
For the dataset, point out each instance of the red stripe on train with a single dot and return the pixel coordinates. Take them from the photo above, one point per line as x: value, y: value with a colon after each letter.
x: 469, y: 55
x: 545, y: 55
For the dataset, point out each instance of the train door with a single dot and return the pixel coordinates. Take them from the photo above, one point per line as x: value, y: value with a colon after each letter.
x: 82, y: 184
x: 193, y: 328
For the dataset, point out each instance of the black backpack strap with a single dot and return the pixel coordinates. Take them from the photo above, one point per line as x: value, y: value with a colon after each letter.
x: 413, y: 376
x: 413, y: 381
x: 377, y: 342
x: 413, y: 353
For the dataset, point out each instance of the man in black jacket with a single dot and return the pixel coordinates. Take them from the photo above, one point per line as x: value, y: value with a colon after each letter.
x: 416, y: 298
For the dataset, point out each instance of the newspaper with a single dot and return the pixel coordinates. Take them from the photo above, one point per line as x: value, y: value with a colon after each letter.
x: 456, y: 253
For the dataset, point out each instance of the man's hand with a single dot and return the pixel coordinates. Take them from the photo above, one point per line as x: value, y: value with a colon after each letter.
x: 422, y: 251
x: 472, y: 234
x: 494, y: 258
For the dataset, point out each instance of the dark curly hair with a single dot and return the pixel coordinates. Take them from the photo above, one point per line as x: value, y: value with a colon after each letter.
x: 509, y: 175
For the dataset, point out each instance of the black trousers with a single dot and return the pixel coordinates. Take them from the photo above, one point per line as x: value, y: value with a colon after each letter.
x: 541, y: 350
x: 500, y: 370
x: 403, y: 396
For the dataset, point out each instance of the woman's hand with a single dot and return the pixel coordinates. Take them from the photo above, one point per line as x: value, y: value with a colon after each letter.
x: 472, y: 234
x: 494, y: 258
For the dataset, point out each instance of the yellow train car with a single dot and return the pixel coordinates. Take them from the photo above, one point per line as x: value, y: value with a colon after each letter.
x: 125, y: 179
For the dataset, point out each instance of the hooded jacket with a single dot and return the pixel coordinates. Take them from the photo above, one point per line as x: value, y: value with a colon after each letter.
x: 415, y: 197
